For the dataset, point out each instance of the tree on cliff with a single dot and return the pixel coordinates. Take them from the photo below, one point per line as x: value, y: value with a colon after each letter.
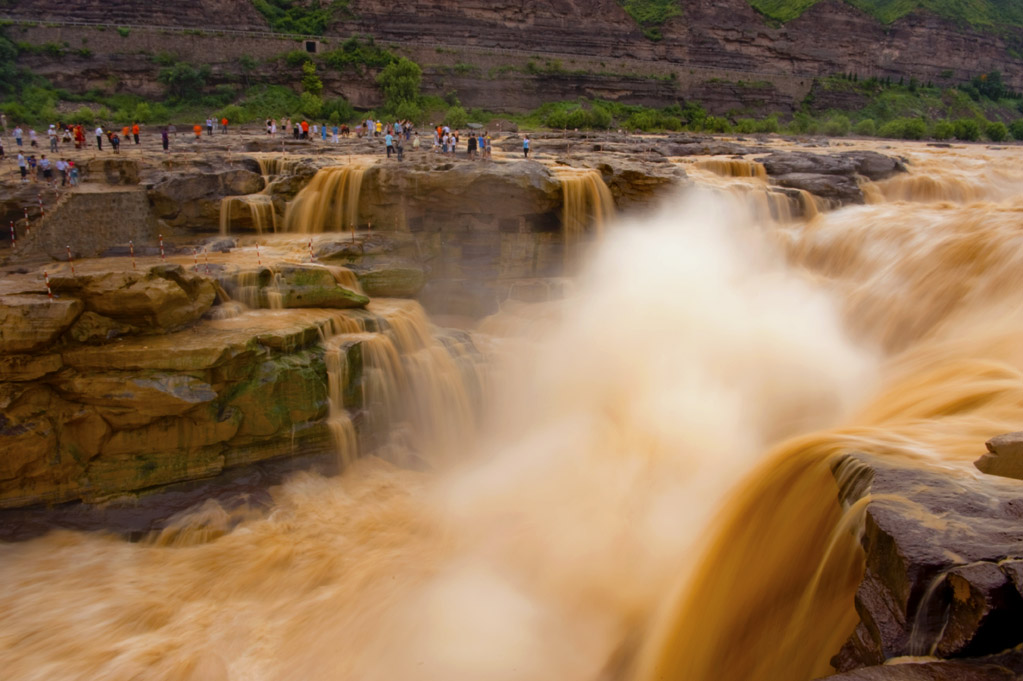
x: 400, y: 82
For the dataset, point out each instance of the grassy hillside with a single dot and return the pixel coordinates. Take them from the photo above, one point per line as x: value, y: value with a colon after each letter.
x: 981, y: 13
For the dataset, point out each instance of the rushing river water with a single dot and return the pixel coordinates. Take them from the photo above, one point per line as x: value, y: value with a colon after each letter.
x: 650, y: 495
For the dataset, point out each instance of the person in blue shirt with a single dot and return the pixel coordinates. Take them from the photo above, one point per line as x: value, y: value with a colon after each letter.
x: 525, y: 147
x: 389, y: 140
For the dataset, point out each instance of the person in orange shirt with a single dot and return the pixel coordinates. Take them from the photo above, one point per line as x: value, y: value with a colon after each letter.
x: 197, y: 129
x: 124, y: 132
x: 223, y: 125
x: 305, y: 130
x: 135, y: 132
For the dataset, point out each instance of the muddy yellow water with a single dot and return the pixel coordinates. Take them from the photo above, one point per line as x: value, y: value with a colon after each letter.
x: 649, y: 494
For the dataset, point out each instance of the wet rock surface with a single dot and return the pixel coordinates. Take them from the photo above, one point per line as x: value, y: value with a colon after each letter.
x: 942, y: 576
x: 1004, y: 456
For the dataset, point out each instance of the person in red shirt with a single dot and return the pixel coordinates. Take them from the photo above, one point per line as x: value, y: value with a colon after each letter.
x: 305, y: 130
x: 223, y: 125
x: 135, y: 132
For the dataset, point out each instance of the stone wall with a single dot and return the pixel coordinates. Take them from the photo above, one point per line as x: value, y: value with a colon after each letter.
x: 92, y: 219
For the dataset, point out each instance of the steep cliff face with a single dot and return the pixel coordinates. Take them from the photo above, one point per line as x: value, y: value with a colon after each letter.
x: 711, y: 47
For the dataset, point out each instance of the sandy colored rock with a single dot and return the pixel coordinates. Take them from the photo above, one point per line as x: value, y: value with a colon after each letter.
x: 392, y: 282
x: 1004, y: 456
x: 95, y: 328
x: 29, y: 323
x: 164, y: 297
x: 28, y: 367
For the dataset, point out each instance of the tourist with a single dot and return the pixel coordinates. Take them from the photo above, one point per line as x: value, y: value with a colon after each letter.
x: 126, y: 132
x: 296, y: 131
x: 32, y: 168
x: 67, y: 137
x: 23, y: 166
x: 305, y: 130
x: 345, y: 132
x: 471, y: 148
x: 197, y: 129
x: 17, y: 135
x: 62, y: 171
x: 334, y: 137
x: 3, y: 122
x: 33, y: 138
x: 525, y: 146
x: 52, y: 134
x: 415, y: 142
x: 209, y: 127
x: 223, y: 125
x: 73, y: 174
x: 135, y: 130
x: 401, y: 148
x: 389, y: 141
x: 165, y: 138
x: 115, y: 142
x: 323, y: 132
x: 99, y: 137
x: 79, y: 137
x: 378, y: 127
x: 47, y: 169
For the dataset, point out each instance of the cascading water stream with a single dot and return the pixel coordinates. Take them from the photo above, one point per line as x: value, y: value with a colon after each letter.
x: 654, y: 496
x: 329, y: 203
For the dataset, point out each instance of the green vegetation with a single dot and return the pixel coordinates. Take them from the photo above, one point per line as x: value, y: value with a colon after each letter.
x: 982, y: 13
x: 358, y: 55
x: 309, y: 18
x: 184, y: 82
x: 400, y: 82
x: 650, y: 15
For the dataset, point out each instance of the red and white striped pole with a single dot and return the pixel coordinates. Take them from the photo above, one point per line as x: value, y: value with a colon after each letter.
x: 312, y: 256
x: 46, y: 278
x: 206, y: 257
x: 41, y: 211
x: 195, y: 259
x: 28, y: 225
x: 131, y: 247
x: 259, y: 258
x: 162, y: 256
x: 70, y: 261
x: 14, y: 238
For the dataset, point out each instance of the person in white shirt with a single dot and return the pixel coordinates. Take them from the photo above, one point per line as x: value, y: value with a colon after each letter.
x: 23, y: 167
x: 99, y: 137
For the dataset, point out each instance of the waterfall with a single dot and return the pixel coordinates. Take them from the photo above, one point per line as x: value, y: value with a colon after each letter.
x: 329, y: 203
x: 587, y: 202
x: 260, y: 208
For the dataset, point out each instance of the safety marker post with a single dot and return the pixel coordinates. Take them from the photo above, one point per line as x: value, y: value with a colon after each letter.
x: 46, y: 278
x: 28, y: 225
x: 14, y: 238
x: 162, y: 255
x: 259, y: 258
x: 70, y: 261
x: 312, y: 256
x: 131, y: 248
x: 206, y: 256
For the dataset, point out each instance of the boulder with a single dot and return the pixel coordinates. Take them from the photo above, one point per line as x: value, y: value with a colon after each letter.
x: 32, y: 322
x: 285, y: 286
x: 937, y: 579
x: 840, y: 188
x: 95, y: 328
x: 1004, y: 456
x: 28, y: 367
x: 874, y: 166
x: 788, y: 162
x: 929, y: 671
x: 161, y: 298
x: 396, y: 281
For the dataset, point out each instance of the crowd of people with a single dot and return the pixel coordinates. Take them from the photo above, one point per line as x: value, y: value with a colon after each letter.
x: 395, y: 136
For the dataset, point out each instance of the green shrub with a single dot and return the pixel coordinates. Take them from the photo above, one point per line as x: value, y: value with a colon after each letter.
x: 915, y: 129
x: 123, y: 31
x: 997, y: 132
x: 894, y: 129
x: 83, y: 116
x: 456, y: 117
x: 943, y: 130
x: 767, y: 125
x: 310, y: 105
x: 717, y: 124
x: 967, y: 129
x: 310, y: 81
x: 866, y: 128
x: 803, y: 124
x: 1016, y: 128
x: 296, y: 58
x: 233, y: 113
x: 837, y: 126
